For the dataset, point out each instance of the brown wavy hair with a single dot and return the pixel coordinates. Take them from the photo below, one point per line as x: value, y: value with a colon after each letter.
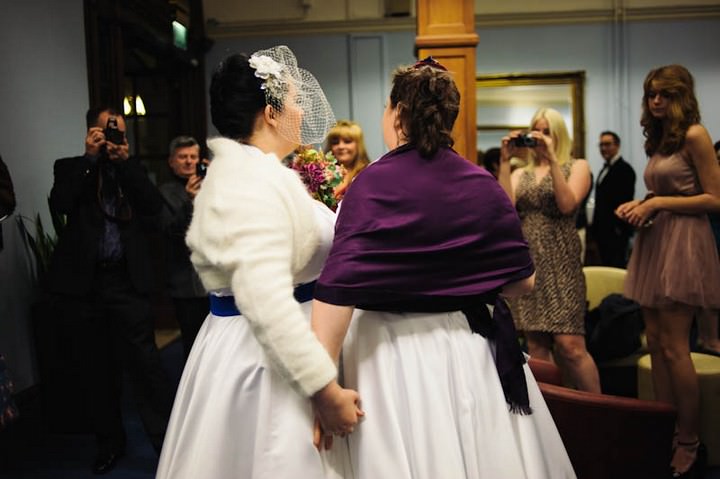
x: 667, y: 135
x: 429, y: 103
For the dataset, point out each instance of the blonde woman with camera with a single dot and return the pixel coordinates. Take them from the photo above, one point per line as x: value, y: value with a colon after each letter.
x: 547, y: 194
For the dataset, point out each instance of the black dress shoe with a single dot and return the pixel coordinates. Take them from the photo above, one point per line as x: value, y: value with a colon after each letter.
x: 106, y: 461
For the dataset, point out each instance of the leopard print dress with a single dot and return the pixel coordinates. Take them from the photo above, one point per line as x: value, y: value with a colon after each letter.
x: 557, y: 304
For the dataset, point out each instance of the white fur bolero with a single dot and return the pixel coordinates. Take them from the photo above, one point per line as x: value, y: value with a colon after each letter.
x: 253, y: 231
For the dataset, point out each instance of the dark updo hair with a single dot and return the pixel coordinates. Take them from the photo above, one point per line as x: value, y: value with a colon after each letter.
x: 236, y: 97
x: 428, y: 104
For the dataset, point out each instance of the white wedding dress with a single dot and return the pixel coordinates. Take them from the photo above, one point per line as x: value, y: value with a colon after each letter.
x: 435, y: 408
x: 233, y: 416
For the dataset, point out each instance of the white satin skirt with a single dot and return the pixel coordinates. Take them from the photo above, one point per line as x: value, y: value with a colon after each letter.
x: 435, y: 408
x: 235, y: 418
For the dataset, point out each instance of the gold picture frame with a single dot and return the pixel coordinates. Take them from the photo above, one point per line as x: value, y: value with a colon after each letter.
x: 507, y: 101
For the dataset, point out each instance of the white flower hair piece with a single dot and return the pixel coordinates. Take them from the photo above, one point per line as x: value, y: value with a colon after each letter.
x: 311, y: 116
x: 270, y: 72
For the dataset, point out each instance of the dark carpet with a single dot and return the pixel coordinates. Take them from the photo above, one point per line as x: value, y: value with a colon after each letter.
x: 30, y: 449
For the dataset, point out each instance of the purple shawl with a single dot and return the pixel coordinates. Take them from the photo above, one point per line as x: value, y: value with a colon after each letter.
x: 427, y: 235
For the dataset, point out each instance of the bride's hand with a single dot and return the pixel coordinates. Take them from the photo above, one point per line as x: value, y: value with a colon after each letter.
x: 337, y: 409
x: 320, y: 439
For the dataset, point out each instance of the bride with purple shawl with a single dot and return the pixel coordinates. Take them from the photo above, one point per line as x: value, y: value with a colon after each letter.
x: 424, y: 241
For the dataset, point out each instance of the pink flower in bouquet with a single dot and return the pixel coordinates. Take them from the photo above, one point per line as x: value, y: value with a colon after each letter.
x: 320, y: 173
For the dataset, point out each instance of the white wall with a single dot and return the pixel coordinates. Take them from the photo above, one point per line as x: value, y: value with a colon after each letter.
x: 43, y: 100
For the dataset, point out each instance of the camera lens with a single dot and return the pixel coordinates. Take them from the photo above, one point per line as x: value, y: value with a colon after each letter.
x: 524, y: 141
x: 528, y: 140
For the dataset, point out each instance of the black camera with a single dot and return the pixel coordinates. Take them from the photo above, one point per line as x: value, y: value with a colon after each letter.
x: 525, y: 140
x: 201, y: 169
x: 112, y: 133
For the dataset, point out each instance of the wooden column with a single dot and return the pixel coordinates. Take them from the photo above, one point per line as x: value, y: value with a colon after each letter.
x: 446, y: 30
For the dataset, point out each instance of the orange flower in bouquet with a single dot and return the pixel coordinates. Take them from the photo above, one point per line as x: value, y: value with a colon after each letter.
x: 321, y: 173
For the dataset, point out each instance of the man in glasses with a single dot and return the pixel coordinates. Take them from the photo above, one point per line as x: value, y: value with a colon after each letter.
x: 102, y: 269
x: 615, y: 185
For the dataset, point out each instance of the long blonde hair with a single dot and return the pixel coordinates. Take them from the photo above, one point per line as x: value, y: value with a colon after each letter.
x: 349, y: 129
x: 562, y: 143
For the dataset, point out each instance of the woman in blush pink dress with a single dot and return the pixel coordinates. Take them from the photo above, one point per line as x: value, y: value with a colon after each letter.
x: 674, y: 266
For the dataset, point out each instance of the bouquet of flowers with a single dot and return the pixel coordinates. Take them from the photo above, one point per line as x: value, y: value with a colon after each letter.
x: 320, y: 173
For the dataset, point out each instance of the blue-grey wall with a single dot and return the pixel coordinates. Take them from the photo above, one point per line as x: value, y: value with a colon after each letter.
x: 616, y: 59
x: 43, y: 99
x: 355, y: 69
x: 352, y: 69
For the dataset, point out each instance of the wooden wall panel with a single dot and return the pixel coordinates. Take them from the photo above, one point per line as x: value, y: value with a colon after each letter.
x: 445, y: 17
x: 446, y: 30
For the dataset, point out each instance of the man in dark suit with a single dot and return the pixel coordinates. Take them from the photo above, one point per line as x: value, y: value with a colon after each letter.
x: 190, y: 299
x: 102, y: 270
x: 615, y: 185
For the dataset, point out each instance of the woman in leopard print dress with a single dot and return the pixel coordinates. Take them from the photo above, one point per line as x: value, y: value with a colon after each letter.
x: 547, y: 194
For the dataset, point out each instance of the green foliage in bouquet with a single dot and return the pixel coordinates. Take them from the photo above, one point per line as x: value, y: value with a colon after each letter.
x: 321, y: 173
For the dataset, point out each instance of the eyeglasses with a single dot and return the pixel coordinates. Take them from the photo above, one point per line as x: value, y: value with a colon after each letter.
x: 605, y: 143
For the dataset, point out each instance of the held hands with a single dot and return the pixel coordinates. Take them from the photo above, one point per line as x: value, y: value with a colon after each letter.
x: 95, y: 140
x: 638, y: 213
x: 337, y: 412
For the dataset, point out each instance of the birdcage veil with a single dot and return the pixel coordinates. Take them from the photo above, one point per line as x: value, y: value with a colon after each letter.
x: 303, y: 112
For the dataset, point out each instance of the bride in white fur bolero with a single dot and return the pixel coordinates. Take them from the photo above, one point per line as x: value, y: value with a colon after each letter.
x: 243, y: 408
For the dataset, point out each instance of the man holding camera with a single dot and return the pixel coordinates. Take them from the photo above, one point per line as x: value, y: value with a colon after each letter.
x: 189, y: 297
x: 615, y: 186
x: 102, y: 270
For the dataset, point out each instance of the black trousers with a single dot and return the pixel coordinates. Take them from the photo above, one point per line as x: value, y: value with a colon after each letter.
x: 190, y: 314
x: 121, y: 339
x: 613, y: 250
